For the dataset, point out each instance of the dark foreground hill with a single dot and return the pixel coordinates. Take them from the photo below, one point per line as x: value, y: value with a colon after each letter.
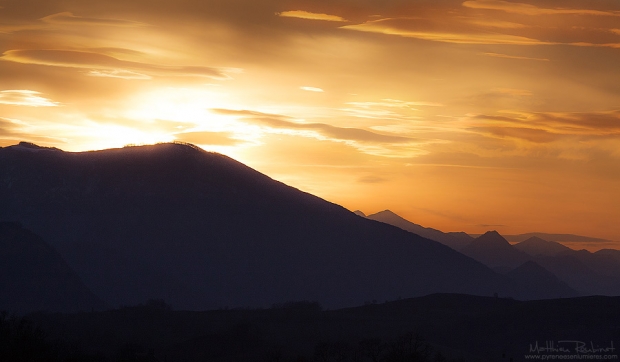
x: 33, y: 276
x: 455, y: 327
x: 201, y: 231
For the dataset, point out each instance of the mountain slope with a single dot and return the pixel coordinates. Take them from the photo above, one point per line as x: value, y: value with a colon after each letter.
x: 541, y: 280
x: 201, y: 230
x: 536, y: 246
x: 554, y: 237
x: 34, y: 277
x: 454, y: 240
x: 494, y: 251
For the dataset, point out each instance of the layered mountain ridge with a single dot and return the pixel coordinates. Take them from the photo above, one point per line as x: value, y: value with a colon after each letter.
x: 200, y: 230
x: 34, y: 277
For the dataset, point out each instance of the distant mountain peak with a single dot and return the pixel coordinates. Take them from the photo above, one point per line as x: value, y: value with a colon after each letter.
x: 537, y: 246
x: 492, y: 232
x: 388, y: 212
x: 494, y: 250
x: 359, y: 213
x: 491, y: 238
x: 536, y: 239
x: 453, y: 240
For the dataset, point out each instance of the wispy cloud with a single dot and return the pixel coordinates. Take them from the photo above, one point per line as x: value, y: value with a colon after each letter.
x: 527, y: 9
x: 311, y: 16
x: 394, y: 26
x: 23, y: 97
x: 208, y: 138
x: 118, y: 73
x: 312, y: 89
x: 69, y: 18
x: 499, y: 55
x: 105, y: 65
x: 546, y: 127
x: 566, y: 122
x: 321, y: 129
x: 392, y: 109
x: 530, y: 134
x: 497, y: 24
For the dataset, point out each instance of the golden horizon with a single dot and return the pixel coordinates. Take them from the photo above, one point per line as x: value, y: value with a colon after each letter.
x: 459, y: 115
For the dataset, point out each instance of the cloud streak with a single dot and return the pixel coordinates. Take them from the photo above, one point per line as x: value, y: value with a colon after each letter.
x: 70, y: 19
x: 280, y: 122
x: 310, y: 16
x: 506, y: 56
x: 208, y: 138
x: 27, y: 98
x: 546, y: 127
x: 104, y: 64
x: 312, y: 89
x: 527, y: 9
x: 394, y: 26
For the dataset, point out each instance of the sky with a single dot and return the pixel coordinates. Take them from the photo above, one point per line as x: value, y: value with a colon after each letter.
x: 458, y: 115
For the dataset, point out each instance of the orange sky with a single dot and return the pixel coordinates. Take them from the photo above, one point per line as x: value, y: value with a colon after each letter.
x: 458, y: 115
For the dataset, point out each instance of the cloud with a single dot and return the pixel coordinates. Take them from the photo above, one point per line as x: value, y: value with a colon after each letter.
x: 529, y: 134
x: 70, y: 19
x: 104, y: 63
x: 581, y: 122
x: 398, y: 27
x: 328, y: 131
x: 8, y: 29
x: 497, y: 24
x: 527, y: 9
x: 394, y: 103
x: 392, y: 109
x: 208, y: 138
x: 312, y: 89
x: 14, y: 131
x: 118, y: 73
x: 499, y: 55
x: 311, y: 16
x: 28, y: 98
x: 545, y: 127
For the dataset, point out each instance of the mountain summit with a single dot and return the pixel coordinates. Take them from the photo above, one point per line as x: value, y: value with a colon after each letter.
x: 494, y: 251
x: 454, y: 240
x: 201, y: 230
x: 535, y: 246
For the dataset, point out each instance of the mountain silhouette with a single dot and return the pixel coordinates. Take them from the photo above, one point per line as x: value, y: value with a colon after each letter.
x: 200, y: 230
x: 553, y: 237
x: 579, y: 276
x: 494, y: 251
x: 454, y: 240
x: 33, y: 276
x: 609, y: 252
x: 535, y: 246
x: 542, y: 281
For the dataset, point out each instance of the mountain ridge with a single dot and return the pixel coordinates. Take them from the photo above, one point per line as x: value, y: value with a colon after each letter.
x: 33, y: 276
x: 201, y: 230
x: 456, y: 240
